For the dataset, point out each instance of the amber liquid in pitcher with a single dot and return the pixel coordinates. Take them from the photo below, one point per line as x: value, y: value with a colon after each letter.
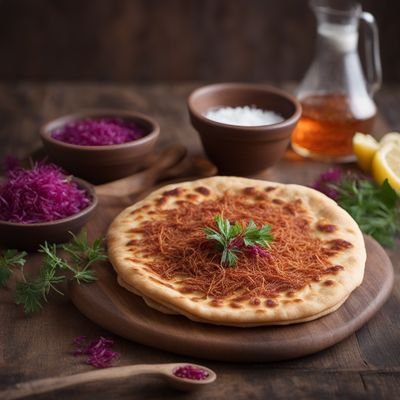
x: 327, y: 126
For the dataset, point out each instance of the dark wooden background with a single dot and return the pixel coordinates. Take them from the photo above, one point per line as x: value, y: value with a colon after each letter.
x: 144, y: 40
x: 366, y: 366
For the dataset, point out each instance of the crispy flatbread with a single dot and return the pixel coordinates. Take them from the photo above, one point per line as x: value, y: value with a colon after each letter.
x: 160, y: 252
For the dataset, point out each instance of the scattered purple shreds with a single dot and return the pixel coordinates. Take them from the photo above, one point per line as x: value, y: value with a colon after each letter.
x: 257, y: 250
x: 237, y: 242
x: 331, y: 177
x: 191, y: 372
x: 40, y: 194
x: 10, y: 162
x: 79, y: 341
x: 99, y: 132
x: 98, y: 351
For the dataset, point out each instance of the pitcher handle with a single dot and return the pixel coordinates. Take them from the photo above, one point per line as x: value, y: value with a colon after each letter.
x: 373, y: 58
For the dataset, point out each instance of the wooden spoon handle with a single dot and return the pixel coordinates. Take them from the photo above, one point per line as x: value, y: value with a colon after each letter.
x: 145, y: 179
x: 46, y: 385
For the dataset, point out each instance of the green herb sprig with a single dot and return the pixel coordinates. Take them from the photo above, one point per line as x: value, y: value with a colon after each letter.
x: 84, y: 256
x: 375, y: 208
x: 10, y: 258
x: 79, y: 257
x: 233, y: 238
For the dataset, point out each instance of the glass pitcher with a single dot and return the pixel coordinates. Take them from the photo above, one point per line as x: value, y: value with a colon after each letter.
x: 335, y: 95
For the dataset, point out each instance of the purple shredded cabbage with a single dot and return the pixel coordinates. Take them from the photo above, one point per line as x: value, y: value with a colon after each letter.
x: 191, y: 372
x: 98, y: 351
x: 40, y: 194
x: 327, y: 180
x: 99, y: 132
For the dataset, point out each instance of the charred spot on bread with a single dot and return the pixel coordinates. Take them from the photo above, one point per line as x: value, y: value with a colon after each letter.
x: 329, y: 228
x: 173, y: 192
x: 202, y: 190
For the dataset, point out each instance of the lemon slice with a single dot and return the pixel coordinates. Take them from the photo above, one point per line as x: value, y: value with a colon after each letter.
x: 386, y: 164
x: 390, y: 137
x: 364, y: 147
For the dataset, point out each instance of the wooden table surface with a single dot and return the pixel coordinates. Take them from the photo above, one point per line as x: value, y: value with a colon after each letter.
x: 364, y: 366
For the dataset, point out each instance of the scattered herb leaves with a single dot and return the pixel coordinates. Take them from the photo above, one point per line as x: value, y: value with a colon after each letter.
x: 233, y: 239
x: 83, y: 256
x: 10, y: 258
x: 376, y: 208
x: 80, y: 256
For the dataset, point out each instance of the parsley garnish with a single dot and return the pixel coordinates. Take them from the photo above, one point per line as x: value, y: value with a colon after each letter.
x: 233, y: 239
x: 79, y: 257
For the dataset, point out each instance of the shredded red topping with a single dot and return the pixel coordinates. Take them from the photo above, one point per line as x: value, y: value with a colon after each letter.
x: 178, y: 250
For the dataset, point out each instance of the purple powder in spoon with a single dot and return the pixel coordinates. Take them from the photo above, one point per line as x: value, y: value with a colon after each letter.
x: 191, y: 372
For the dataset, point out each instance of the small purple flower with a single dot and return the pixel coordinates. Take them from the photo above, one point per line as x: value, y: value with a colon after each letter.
x: 327, y: 180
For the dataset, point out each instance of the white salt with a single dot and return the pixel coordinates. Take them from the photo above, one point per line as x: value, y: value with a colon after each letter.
x: 243, y: 116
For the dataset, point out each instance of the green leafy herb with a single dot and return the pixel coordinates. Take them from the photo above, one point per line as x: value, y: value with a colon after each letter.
x: 9, y: 259
x: 233, y: 239
x: 32, y: 293
x: 83, y: 256
x: 375, y: 208
x: 252, y: 235
x: 80, y: 257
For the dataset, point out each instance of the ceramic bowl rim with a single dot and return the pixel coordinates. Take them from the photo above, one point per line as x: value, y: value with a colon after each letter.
x: 89, y: 188
x: 47, y: 128
x: 245, y: 86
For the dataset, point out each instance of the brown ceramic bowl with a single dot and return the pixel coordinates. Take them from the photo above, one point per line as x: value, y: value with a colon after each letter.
x: 100, y: 164
x: 243, y: 150
x: 31, y: 236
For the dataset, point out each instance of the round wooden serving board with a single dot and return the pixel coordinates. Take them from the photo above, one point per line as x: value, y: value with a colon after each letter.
x: 121, y: 312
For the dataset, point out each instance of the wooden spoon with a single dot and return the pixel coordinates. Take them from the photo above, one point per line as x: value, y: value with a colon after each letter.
x: 146, y: 178
x: 127, y: 190
x: 24, y: 389
x: 170, y: 163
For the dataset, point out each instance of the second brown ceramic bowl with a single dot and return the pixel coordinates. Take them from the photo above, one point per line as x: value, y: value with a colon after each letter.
x: 243, y: 150
x: 100, y: 164
x: 30, y: 236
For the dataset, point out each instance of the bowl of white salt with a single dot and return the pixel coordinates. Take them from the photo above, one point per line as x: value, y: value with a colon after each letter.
x: 244, y: 128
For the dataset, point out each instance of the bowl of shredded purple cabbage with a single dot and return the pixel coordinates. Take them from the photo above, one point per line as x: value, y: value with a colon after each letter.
x: 101, y: 145
x: 42, y: 204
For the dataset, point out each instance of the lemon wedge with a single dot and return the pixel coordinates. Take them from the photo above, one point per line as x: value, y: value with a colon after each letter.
x: 364, y: 147
x: 386, y: 164
x: 390, y: 137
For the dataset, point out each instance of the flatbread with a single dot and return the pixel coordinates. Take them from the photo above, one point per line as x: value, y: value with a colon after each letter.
x: 165, y: 310
x: 304, y: 219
